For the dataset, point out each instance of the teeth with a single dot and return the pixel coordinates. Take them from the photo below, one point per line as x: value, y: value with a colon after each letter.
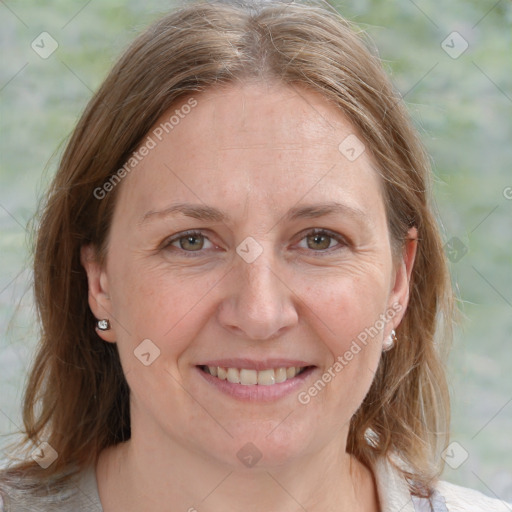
x: 280, y: 374
x: 291, y: 372
x: 233, y: 376
x: 266, y: 377
x: 248, y: 377
x: 251, y: 377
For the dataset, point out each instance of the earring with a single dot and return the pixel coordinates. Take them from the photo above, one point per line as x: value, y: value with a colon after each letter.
x: 389, y: 342
x: 103, y: 325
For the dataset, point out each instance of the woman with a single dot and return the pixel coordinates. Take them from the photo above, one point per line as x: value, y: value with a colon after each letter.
x: 239, y: 280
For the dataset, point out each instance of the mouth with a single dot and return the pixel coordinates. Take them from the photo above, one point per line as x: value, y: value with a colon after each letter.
x: 253, y: 381
x: 253, y: 377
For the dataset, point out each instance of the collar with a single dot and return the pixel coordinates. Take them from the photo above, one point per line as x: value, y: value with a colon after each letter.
x: 394, y: 493
x: 392, y: 487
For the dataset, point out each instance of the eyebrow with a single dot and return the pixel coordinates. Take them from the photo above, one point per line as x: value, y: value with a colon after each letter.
x: 211, y: 214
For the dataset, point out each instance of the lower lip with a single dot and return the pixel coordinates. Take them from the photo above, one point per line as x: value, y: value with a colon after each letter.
x: 257, y: 392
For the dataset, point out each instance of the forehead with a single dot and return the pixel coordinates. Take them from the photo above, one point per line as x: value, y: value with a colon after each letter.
x: 262, y: 144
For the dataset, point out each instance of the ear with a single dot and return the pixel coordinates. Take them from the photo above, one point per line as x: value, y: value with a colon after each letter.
x: 99, y: 299
x: 402, y: 278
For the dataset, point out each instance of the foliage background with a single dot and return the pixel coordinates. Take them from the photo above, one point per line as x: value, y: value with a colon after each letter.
x: 463, y: 108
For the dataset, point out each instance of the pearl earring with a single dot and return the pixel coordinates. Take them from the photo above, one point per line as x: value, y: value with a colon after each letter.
x: 389, y: 342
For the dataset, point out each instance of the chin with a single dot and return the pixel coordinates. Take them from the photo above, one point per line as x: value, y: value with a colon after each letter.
x: 263, y: 445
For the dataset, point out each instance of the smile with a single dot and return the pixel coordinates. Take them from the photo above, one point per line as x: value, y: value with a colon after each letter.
x: 251, y: 377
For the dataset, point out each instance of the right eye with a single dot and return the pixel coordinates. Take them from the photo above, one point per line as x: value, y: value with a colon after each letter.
x: 188, y: 242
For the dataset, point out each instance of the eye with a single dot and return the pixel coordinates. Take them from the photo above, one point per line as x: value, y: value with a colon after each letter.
x: 319, y: 240
x: 189, y: 241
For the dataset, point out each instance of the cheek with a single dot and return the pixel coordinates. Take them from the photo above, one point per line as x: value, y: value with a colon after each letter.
x: 349, y: 318
x: 346, y: 304
x: 166, y: 307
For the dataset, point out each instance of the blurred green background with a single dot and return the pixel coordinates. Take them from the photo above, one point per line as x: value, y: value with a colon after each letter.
x: 462, y: 107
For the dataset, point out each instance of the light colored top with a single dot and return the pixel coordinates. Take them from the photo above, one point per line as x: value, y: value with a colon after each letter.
x: 394, y: 496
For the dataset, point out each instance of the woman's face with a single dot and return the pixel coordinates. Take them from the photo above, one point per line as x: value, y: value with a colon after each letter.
x: 256, y: 170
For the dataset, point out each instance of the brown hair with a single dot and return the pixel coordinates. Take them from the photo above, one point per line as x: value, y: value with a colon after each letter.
x: 77, y: 398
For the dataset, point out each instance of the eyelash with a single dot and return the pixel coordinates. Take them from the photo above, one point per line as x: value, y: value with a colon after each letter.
x: 315, y: 231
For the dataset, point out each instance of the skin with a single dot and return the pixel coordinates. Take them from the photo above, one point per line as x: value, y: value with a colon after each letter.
x: 254, y: 150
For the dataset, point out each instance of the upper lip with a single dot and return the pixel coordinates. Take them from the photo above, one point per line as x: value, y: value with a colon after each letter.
x: 251, y: 364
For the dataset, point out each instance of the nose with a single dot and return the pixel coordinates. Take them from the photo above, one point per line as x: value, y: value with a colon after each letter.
x: 259, y: 304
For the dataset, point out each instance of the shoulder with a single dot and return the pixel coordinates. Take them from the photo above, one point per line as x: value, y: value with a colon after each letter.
x: 71, y: 492
x: 462, y: 499
x: 394, y: 494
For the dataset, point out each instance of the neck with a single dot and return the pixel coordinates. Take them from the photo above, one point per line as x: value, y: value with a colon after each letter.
x: 143, y: 475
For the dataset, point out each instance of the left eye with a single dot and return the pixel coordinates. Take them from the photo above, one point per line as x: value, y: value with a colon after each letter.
x: 321, y: 239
